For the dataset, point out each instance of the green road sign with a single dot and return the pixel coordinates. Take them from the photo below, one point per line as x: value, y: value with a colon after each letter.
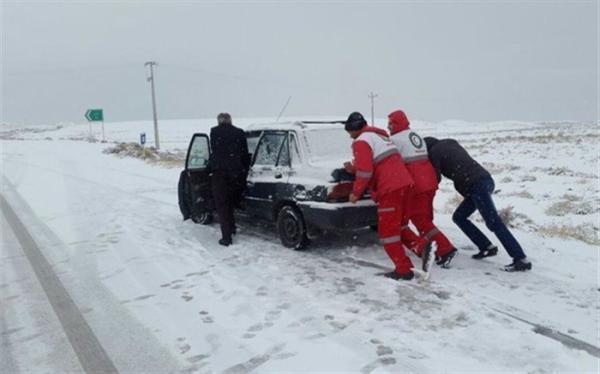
x: 94, y: 115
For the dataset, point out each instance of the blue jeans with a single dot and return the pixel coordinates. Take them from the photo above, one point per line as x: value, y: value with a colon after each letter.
x: 480, y: 198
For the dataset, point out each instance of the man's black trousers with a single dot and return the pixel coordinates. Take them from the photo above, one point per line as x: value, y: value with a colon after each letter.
x: 227, y: 188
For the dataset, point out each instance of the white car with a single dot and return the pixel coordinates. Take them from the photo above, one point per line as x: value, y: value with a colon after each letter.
x: 295, y: 180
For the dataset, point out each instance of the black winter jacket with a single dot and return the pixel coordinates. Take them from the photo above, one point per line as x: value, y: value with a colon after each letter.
x: 229, y: 149
x: 451, y: 160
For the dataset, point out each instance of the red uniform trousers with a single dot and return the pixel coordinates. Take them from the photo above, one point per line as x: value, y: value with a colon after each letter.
x: 419, y: 210
x: 390, y: 211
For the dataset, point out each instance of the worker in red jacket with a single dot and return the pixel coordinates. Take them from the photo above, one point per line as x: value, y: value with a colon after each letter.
x: 378, y: 167
x: 419, y: 209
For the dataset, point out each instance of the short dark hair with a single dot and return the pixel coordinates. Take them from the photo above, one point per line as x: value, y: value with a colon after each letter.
x: 224, y: 118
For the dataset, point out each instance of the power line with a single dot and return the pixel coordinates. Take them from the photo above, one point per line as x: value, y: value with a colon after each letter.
x: 71, y: 69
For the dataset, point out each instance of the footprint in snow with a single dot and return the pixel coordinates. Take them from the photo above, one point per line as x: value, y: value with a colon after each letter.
x: 197, y: 358
x: 273, y: 315
x: 198, y: 273
x: 206, y: 317
x: 381, y: 361
x: 213, y: 341
x: 284, y: 306
x: 256, y: 327
x: 383, y: 350
x: 216, y: 288
x: 184, y: 348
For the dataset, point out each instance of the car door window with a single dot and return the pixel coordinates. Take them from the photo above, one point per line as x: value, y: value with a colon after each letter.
x: 252, y: 138
x: 284, y: 154
x: 199, y: 153
x: 268, y: 149
x: 294, y: 152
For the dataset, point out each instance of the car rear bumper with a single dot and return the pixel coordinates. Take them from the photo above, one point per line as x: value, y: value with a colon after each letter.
x: 339, y: 216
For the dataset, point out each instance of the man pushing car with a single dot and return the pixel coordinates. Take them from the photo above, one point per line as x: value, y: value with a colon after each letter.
x: 378, y: 166
x: 419, y: 208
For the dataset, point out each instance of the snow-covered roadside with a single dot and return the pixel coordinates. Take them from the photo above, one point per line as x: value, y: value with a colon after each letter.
x: 258, y: 305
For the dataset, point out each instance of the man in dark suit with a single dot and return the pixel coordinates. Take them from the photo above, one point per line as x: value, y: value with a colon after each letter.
x: 229, y: 163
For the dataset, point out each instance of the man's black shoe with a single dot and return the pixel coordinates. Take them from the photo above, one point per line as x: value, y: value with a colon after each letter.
x: 445, y: 260
x: 492, y: 251
x: 397, y: 276
x: 518, y: 265
x: 225, y: 242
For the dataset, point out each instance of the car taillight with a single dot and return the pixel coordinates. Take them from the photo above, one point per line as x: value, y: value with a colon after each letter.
x: 340, y: 192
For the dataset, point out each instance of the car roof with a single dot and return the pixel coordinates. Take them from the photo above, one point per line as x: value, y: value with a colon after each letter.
x: 296, y: 125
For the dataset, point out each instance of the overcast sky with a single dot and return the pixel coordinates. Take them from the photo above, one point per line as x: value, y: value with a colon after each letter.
x: 471, y: 60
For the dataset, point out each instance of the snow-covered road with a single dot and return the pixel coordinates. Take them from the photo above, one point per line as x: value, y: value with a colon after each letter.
x: 161, y: 296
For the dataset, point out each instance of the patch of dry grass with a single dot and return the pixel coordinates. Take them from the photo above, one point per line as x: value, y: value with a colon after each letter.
x: 552, y: 138
x: 514, y: 219
x: 586, y: 233
x: 148, y: 154
x: 523, y: 194
x: 528, y: 178
x: 494, y: 168
x: 571, y: 204
x: 452, y: 203
x: 563, y: 171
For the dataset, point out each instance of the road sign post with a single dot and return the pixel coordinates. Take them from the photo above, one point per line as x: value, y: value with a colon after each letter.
x: 95, y: 115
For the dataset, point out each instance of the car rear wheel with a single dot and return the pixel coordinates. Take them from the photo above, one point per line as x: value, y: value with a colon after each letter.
x: 202, y: 218
x: 291, y: 227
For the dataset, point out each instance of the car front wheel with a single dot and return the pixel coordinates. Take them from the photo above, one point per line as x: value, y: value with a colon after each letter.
x: 202, y: 218
x: 291, y: 227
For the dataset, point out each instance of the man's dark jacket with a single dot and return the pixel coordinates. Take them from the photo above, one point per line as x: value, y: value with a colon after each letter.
x: 229, y: 149
x: 453, y: 161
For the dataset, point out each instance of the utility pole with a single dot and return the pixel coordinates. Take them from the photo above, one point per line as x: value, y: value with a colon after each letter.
x: 150, y: 79
x: 372, y: 96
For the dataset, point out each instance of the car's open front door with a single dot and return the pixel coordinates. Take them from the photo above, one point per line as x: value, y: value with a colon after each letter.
x: 197, y: 175
x: 268, y: 174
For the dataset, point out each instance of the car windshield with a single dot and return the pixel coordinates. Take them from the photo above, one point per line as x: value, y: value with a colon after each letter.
x: 329, y: 145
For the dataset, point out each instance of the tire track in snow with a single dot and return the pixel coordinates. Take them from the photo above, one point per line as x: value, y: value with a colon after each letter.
x: 89, y: 351
x: 130, y: 343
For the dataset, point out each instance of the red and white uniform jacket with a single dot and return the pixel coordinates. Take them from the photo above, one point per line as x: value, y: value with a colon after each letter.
x: 414, y: 152
x: 378, y: 164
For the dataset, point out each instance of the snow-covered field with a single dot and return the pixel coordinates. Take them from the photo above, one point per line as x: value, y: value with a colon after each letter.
x: 161, y: 295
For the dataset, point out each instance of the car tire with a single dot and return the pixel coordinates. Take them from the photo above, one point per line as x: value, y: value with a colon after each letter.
x: 292, y: 228
x: 203, y: 218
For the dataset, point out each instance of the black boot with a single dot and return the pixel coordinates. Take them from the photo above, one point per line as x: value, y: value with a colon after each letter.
x: 492, y: 251
x: 445, y: 260
x: 397, y: 276
x: 225, y: 242
x: 518, y: 265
